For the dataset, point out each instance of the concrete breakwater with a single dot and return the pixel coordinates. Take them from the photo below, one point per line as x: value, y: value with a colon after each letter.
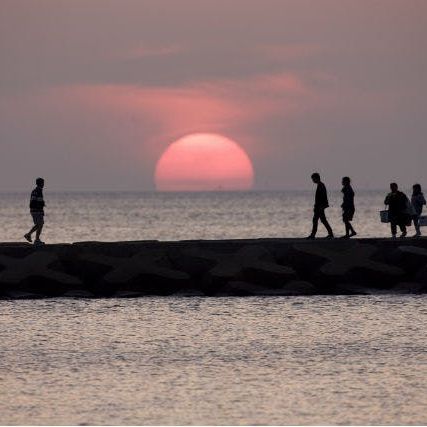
x: 214, y: 268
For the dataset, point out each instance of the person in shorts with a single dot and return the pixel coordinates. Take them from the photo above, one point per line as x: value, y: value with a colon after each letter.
x: 347, y: 206
x: 37, y: 205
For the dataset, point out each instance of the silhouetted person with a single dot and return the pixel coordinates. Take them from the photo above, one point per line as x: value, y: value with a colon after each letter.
x: 348, y: 208
x: 37, y: 205
x: 417, y: 202
x: 397, y: 210
x: 320, y: 204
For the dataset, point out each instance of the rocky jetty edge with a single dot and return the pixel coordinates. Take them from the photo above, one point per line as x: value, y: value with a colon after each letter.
x: 253, y: 267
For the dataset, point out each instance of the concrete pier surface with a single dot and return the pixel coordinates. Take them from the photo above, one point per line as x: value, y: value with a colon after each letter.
x: 214, y: 268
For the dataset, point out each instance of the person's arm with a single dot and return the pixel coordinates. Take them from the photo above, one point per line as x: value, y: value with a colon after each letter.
x: 33, y: 199
x: 345, y: 198
x: 324, y: 197
x: 387, y: 200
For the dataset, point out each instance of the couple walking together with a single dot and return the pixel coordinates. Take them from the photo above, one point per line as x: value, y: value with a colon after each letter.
x: 321, y: 203
x: 402, y: 211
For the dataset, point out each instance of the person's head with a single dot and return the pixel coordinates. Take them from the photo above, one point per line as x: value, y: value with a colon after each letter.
x: 394, y: 187
x: 40, y: 182
x: 346, y: 180
x: 417, y: 189
x: 315, y: 177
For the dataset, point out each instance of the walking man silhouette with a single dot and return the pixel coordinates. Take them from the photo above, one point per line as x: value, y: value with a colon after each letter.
x: 37, y: 205
x: 320, y: 204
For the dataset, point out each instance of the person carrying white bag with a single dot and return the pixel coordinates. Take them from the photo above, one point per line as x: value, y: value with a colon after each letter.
x: 398, y: 210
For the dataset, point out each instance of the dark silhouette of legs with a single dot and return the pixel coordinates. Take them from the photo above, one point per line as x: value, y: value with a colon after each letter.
x: 416, y: 220
x: 393, y: 226
x: 326, y: 223
x: 319, y: 214
x: 37, y: 228
x: 347, y: 217
x: 315, y: 224
x: 33, y: 230
x: 349, y: 230
x: 402, y: 227
x: 39, y: 231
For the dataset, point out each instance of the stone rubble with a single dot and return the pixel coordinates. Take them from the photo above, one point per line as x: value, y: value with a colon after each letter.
x: 258, y: 267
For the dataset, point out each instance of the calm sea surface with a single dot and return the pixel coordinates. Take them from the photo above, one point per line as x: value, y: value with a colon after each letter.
x: 74, y: 217
x: 274, y: 360
x: 286, y: 360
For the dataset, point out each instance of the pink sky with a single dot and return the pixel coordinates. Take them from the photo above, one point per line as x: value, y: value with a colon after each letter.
x: 93, y: 92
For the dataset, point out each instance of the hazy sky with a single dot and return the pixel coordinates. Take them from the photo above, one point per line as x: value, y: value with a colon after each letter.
x: 93, y: 91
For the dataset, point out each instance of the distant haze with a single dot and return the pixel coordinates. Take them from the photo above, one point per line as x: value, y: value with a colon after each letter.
x: 92, y: 92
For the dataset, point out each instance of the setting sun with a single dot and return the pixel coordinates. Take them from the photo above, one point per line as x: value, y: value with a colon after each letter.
x: 204, y: 162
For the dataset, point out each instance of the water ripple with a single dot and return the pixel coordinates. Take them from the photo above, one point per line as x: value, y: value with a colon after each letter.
x: 304, y: 360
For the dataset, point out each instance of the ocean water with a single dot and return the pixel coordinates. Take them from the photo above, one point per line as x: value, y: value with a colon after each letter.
x: 271, y: 360
x: 275, y: 360
x: 74, y: 217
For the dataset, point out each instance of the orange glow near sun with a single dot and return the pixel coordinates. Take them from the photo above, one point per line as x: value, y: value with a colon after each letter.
x: 204, y: 162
